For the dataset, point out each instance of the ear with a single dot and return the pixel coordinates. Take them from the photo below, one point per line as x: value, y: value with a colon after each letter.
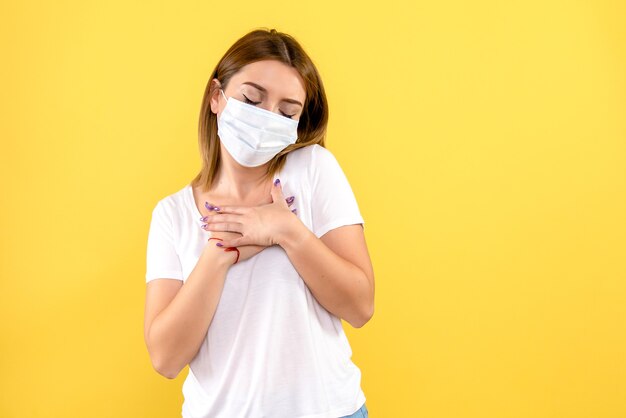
x: 215, y: 95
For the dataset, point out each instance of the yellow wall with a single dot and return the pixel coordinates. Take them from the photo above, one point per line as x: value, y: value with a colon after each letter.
x: 486, y: 144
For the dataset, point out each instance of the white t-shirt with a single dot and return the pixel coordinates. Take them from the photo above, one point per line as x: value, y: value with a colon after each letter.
x: 271, y: 350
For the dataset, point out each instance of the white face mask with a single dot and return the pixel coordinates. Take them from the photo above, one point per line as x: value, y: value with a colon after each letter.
x: 252, y: 135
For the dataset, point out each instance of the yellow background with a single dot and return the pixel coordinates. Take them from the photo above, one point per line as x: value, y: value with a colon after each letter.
x: 485, y: 142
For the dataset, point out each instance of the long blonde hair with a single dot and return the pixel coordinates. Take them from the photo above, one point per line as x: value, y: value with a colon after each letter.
x: 257, y: 45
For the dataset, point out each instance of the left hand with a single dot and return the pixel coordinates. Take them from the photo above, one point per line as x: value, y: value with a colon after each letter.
x: 258, y: 225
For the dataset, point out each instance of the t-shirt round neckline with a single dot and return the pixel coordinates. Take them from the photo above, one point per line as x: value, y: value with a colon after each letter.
x: 192, y: 200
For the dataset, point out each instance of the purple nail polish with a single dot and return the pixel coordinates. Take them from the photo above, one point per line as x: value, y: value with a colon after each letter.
x: 216, y: 209
x: 276, y: 182
x: 208, y: 206
x: 219, y: 244
x: 290, y: 199
x: 204, y: 218
x: 294, y: 210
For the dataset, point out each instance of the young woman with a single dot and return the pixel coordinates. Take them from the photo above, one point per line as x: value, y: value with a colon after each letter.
x: 252, y: 266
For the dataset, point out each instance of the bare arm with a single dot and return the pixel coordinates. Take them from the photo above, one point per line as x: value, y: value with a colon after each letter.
x: 178, y: 315
x: 336, y: 268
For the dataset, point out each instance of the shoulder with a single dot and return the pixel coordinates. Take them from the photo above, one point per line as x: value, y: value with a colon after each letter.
x: 172, y: 203
x: 312, y: 156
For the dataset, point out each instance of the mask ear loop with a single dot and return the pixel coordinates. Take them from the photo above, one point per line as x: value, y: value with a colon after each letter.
x: 225, y: 98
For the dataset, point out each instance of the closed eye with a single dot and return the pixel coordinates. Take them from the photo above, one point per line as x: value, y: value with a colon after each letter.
x: 256, y: 103
x: 250, y: 101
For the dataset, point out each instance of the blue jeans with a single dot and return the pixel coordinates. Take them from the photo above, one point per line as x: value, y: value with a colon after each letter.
x: 361, y: 413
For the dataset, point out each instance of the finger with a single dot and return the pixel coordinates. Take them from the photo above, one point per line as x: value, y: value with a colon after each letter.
x: 223, y: 227
x: 210, y: 206
x: 290, y: 200
x: 295, y: 211
x: 240, y: 210
x: 277, y: 192
x: 211, y: 212
x: 207, y: 217
x: 237, y: 242
x: 224, y: 217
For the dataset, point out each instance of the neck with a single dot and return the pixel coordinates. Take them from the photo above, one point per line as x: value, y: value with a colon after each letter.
x: 236, y: 180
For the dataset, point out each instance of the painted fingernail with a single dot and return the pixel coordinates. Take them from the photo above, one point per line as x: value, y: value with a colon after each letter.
x: 208, y: 206
x: 204, y: 226
x: 294, y: 210
x: 219, y: 244
x: 290, y: 199
x: 204, y: 218
x: 215, y: 208
x: 276, y: 182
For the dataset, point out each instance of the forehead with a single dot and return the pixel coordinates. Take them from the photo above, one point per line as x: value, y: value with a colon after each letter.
x: 278, y: 78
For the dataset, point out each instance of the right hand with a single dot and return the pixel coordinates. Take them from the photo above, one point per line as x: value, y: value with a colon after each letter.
x: 245, y: 251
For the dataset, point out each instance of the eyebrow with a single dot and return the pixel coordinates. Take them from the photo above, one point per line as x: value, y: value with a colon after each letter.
x: 255, y: 85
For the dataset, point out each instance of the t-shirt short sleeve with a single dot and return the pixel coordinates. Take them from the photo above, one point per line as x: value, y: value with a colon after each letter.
x: 162, y: 261
x: 333, y: 201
